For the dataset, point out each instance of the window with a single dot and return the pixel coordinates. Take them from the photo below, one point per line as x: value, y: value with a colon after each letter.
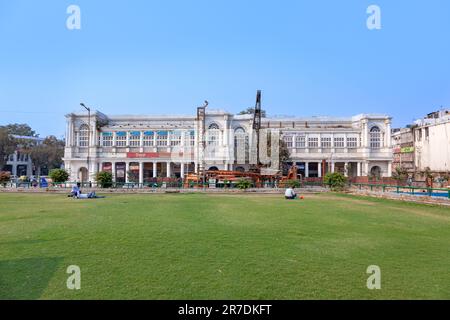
x: 339, y: 142
x: 313, y: 142
x: 148, y: 138
x: 175, y: 139
x: 241, y: 146
x: 427, y: 133
x: 300, y: 142
x: 83, y: 136
x: 288, y: 141
x: 192, y: 138
x: 135, y: 139
x: 162, y: 138
x: 121, y: 139
x: 375, y: 138
x: 213, y: 135
x: 352, y: 142
x: 107, y: 139
x: 325, y: 142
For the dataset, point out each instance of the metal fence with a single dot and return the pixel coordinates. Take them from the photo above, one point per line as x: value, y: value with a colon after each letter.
x: 410, y: 190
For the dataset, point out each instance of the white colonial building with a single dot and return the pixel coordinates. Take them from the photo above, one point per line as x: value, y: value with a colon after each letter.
x: 145, y: 147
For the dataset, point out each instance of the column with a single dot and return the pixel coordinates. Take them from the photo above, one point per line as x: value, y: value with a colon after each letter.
x: 319, y: 169
x: 141, y: 172
x: 332, y: 166
x: 127, y: 168
x: 182, y: 170
x: 389, y: 173
x: 113, y: 170
x: 154, y: 169
x: 168, y: 169
x: 366, y: 168
x: 358, y: 169
x: 306, y: 169
x: 346, y: 169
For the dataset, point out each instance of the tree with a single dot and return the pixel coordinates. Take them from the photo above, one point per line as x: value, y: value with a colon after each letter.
x: 59, y: 175
x: 335, y: 180
x: 104, y: 179
x: 400, y: 174
x: 49, y: 153
x: 292, y: 184
x: 4, y: 178
x: 243, y: 184
x: 252, y: 111
x: 7, y: 146
x: 20, y: 129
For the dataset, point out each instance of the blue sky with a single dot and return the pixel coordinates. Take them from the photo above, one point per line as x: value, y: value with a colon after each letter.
x: 152, y: 57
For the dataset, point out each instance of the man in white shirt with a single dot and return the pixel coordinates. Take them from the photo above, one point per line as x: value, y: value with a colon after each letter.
x: 290, y: 194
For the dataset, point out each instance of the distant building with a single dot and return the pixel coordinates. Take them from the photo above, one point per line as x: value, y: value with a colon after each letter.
x: 20, y: 163
x: 403, y: 149
x: 432, y: 142
x: 144, y: 145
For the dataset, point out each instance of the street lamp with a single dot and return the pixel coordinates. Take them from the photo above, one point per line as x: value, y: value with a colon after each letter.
x: 89, y: 138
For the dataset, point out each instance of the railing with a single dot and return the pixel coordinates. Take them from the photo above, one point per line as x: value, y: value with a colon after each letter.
x: 432, y: 192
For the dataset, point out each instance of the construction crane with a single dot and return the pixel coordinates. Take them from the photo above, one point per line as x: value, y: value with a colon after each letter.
x: 201, y: 131
x: 257, y: 123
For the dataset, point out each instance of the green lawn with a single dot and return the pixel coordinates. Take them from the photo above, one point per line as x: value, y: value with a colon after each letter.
x: 194, y: 246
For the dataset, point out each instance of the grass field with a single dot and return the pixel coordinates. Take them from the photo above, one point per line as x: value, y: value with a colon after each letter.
x: 194, y: 246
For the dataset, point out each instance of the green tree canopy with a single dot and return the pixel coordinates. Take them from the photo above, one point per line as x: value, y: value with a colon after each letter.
x: 7, y: 146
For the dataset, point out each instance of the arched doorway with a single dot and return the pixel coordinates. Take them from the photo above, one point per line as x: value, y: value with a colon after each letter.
x: 83, y: 174
x: 213, y: 169
x: 375, y: 171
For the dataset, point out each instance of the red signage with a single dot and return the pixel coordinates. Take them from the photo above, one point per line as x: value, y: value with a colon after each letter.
x: 146, y: 155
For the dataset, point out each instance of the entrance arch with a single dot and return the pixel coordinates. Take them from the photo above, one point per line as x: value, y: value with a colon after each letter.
x: 376, y: 171
x: 83, y: 174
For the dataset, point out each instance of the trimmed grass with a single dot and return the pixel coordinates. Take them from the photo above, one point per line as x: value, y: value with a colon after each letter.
x: 197, y: 246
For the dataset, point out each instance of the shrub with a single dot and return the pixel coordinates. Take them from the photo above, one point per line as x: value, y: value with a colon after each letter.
x: 59, y: 175
x: 243, y: 184
x: 292, y: 184
x: 335, y: 180
x: 104, y: 179
x: 5, y: 177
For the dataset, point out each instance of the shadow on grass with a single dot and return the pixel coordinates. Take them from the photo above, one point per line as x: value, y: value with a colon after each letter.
x: 26, y: 278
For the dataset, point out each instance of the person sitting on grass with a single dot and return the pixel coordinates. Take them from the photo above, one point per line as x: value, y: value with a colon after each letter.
x: 75, y: 191
x: 290, y: 193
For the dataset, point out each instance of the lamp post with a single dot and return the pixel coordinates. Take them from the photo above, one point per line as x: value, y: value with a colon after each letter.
x: 89, y: 140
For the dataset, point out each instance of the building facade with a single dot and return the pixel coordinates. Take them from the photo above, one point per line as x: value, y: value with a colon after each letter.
x: 140, y: 148
x: 20, y: 163
x: 432, y: 142
x: 403, y: 149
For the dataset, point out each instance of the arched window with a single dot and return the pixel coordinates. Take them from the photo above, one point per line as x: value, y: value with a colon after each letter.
x: 83, y: 136
x: 375, y: 138
x: 241, y: 146
x: 213, y: 135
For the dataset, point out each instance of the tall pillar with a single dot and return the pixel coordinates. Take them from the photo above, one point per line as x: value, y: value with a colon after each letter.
x: 182, y: 171
x: 358, y: 169
x: 306, y: 169
x: 154, y: 169
x: 389, y: 173
x: 127, y: 169
x: 366, y: 168
x: 346, y: 169
x: 319, y: 169
x: 168, y: 169
x: 332, y: 166
x: 113, y: 170
x: 141, y: 172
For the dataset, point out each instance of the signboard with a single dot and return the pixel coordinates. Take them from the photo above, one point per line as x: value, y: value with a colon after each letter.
x: 407, y: 149
x: 142, y: 155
